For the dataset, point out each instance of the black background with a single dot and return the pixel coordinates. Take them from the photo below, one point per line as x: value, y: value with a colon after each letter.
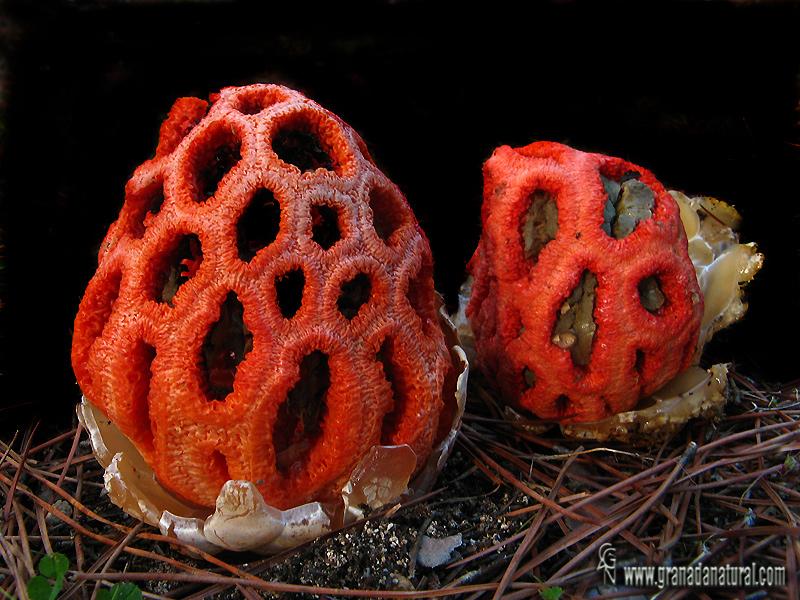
x: 705, y: 95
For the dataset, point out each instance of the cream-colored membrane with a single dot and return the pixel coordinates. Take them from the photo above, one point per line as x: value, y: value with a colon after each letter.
x: 723, y: 266
x: 721, y: 263
x: 241, y: 519
x: 693, y: 393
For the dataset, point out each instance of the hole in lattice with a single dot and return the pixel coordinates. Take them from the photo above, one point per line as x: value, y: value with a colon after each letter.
x: 640, y: 360
x: 325, y: 226
x: 562, y: 405
x: 355, y: 293
x: 300, y: 416
x: 575, y: 326
x: 529, y: 377
x: 259, y: 224
x: 628, y: 202
x: 141, y: 359
x: 289, y: 292
x: 400, y: 393
x: 300, y: 145
x: 651, y: 295
x: 540, y: 224
x: 222, y: 156
x: 388, y: 212
x: 181, y: 265
x: 225, y: 347
x: 607, y: 406
x: 218, y: 466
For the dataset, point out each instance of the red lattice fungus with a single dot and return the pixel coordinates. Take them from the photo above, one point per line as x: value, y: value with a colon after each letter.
x: 263, y: 307
x: 584, y: 297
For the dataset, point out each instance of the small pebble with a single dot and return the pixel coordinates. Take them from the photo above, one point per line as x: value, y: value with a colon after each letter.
x: 62, y: 505
x: 436, y: 551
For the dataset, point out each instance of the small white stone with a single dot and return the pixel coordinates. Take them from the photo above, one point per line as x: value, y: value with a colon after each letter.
x: 436, y: 551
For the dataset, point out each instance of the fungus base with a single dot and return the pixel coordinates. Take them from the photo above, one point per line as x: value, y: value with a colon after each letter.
x: 242, y: 520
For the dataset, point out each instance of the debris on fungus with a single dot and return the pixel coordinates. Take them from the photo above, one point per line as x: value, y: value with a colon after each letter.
x: 261, y: 320
x: 592, y: 288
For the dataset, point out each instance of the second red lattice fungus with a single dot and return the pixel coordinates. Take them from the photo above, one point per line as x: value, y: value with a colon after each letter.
x: 584, y: 297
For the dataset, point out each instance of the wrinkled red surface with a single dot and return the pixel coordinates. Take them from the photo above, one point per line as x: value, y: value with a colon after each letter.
x: 515, y: 300
x: 188, y: 340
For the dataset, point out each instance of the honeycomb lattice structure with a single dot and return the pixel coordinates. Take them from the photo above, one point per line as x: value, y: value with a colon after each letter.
x: 263, y: 308
x: 584, y: 298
